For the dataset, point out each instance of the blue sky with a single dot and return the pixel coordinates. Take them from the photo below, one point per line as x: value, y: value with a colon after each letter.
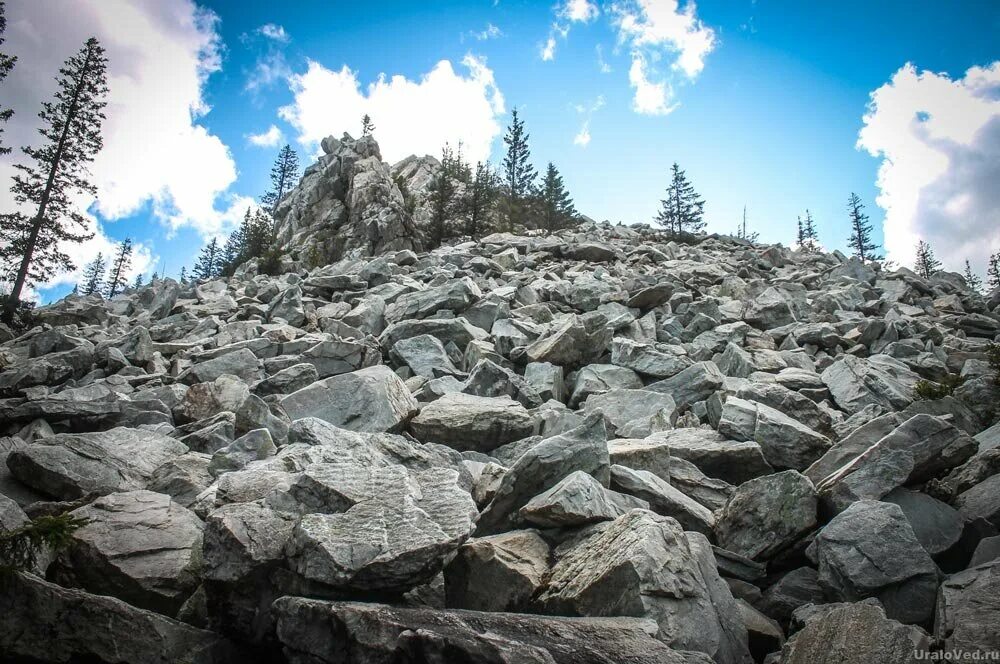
x: 768, y: 117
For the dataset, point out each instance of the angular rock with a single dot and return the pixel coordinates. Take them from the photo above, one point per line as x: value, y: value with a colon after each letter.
x: 578, y: 499
x: 497, y: 573
x: 469, y: 422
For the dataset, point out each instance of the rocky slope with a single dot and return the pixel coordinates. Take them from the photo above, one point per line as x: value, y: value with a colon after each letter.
x: 598, y: 446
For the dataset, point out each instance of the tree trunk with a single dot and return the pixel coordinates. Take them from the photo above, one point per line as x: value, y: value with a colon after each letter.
x: 22, y: 273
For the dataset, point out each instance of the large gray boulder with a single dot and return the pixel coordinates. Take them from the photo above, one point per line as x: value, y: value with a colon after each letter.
x: 469, y: 422
x: 730, y: 460
x: 968, y: 608
x: 879, y: 380
x: 578, y: 499
x: 371, y: 399
x: 497, y: 573
x: 379, y: 528
x: 663, y: 498
x: 70, y: 466
x: 542, y: 467
x: 870, y: 550
x: 138, y: 546
x: 645, y: 565
x: 855, y: 634
x: 767, y: 514
x: 624, y: 408
x: 696, y: 383
x: 785, y: 443
x: 319, y: 632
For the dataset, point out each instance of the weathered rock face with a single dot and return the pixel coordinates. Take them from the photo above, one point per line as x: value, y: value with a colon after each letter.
x: 346, y: 203
x: 676, y: 446
x: 645, y: 565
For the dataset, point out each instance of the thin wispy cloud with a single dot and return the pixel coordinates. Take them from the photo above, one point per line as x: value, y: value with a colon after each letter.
x: 271, y: 137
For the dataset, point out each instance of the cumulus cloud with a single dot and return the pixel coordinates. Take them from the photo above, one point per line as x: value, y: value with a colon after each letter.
x: 155, y: 152
x: 410, y: 116
x: 582, y: 11
x: 655, y: 31
x: 651, y: 97
x: 270, y: 138
x: 939, y: 142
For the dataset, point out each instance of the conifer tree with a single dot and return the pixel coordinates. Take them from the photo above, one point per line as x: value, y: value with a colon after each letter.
x: 209, y: 261
x: 682, y: 211
x: 864, y: 248
x: 443, y: 198
x: 137, y: 283
x: 972, y: 279
x: 283, y: 175
x: 481, y: 199
x: 993, y: 272
x: 120, y: 266
x: 743, y: 232
x: 808, y: 239
x: 557, y: 209
x: 518, y: 174
x: 71, y: 127
x: 183, y: 275
x: 6, y: 65
x: 93, y: 275
x: 926, y: 263
x: 367, y: 126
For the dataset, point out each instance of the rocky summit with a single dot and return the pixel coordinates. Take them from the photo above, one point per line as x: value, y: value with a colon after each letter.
x: 598, y: 445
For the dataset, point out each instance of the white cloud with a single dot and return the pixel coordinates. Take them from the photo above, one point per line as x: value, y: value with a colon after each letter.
x: 582, y: 11
x: 651, y: 97
x: 547, y: 51
x: 658, y: 30
x: 267, y: 139
x: 602, y: 64
x: 939, y: 141
x: 274, y: 32
x: 160, y: 55
x: 582, y: 137
x: 411, y: 117
x: 489, y: 32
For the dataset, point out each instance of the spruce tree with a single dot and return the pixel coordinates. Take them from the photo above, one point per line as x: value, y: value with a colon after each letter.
x: 283, y: 175
x: 682, y: 211
x: 972, y: 279
x: 743, y: 233
x: 183, y: 275
x: 443, y: 198
x: 137, y: 283
x: 481, y: 200
x: 861, y: 243
x: 518, y: 174
x: 556, y: 207
x: 117, y: 281
x: 209, y: 261
x: 367, y: 126
x: 6, y: 64
x: 926, y: 263
x: 808, y: 239
x: 93, y: 275
x: 993, y: 272
x: 71, y: 127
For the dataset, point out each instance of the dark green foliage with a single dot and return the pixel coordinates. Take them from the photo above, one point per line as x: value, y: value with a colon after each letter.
x: 45, y: 189
x: 481, y: 200
x: 682, y: 211
x: 137, y: 283
x: 367, y: 126
x: 993, y: 272
x: 253, y: 238
x: 807, y: 239
x: 283, y: 175
x: 926, y: 263
x: 445, y: 202
x: 993, y: 357
x: 409, y: 201
x: 6, y: 64
x: 24, y: 314
x: 972, y: 279
x: 119, y: 268
x: 518, y: 175
x: 20, y: 547
x: 556, y: 210
x: 93, y: 275
x: 861, y: 242
x: 209, y: 263
x: 926, y: 390
x: 183, y: 275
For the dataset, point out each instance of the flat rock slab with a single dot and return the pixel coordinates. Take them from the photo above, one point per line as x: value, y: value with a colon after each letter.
x: 70, y: 466
x: 315, y: 631
x: 469, y: 422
